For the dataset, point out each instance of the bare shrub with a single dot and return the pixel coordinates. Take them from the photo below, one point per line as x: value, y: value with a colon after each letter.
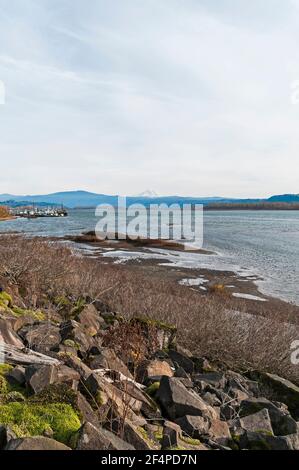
x: 214, y: 326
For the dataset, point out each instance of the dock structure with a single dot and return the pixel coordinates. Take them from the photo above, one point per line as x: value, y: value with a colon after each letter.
x: 33, y: 212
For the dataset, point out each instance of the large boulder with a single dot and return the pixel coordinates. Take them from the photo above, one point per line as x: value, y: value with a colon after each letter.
x: 153, y: 370
x: 90, y: 320
x: 41, y: 337
x: 107, y: 359
x: 282, y: 423
x: 6, y: 435
x: 279, y: 389
x: 194, y: 426
x: 177, y: 401
x: 258, y: 422
x: 39, y: 377
x: 16, y: 376
x: 181, y: 360
x: 172, y: 434
x: 8, y: 336
x: 215, y: 379
x: 135, y: 435
x: 260, y: 441
x: 35, y: 443
x: 75, y: 363
x: 94, y: 438
x: 113, y: 401
x: 72, y: 330
x: 219, y: 432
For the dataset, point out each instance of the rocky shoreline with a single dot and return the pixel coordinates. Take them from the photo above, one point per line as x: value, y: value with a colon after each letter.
x: 87, y: 379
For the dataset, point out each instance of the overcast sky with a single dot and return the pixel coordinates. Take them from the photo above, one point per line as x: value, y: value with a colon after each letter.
x: 189, y: 97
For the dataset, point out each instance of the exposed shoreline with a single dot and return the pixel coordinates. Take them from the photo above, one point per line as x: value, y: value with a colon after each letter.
x: 239, y: 289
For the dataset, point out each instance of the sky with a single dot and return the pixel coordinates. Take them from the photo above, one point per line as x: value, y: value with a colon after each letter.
x: 193, y: 97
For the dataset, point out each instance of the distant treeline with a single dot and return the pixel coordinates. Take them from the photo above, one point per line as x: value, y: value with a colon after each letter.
x: 265, y: 206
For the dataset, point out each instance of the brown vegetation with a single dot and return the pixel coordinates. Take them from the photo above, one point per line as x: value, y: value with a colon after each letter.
x: 4, y: 213
x: 125, y: 241
x: 40, y: 272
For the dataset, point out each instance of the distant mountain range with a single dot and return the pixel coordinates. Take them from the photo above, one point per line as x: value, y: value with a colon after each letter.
x: 72, y: 199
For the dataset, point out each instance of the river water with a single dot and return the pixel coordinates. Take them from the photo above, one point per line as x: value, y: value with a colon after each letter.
x: 252, y: 243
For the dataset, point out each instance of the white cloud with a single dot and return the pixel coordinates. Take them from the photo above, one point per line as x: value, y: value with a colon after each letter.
x: 188, y: 97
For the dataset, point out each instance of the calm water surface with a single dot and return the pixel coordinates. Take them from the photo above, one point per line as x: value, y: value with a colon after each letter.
x: 257, y: 243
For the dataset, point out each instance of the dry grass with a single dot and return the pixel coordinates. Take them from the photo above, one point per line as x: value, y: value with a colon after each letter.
x: 38, y: 271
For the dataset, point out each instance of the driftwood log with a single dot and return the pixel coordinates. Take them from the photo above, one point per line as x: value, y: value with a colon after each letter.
x: 23, y: 356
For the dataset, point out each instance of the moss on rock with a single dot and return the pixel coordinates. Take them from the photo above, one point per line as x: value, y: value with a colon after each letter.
x: 30, y: 419
x: 35, y: 314
x: 5, y: 299
x: 152, y: 389
x: 3, y: 386
x: 154, y: 323
x: 5, y: 369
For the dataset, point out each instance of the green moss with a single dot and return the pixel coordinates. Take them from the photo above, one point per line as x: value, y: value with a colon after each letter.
x: 236, y: 437
x: 99, y: 398
x: 62, y: 302
x: 30, y: 419
x: 35, y: 314
x: 5, y: 368
x: 5, y: 299
x: 14, y: 396
x: 143, y: 433
x: 152, y: 389
x: 3, y: 386
x: 71, y: 344
x: 265, y: 432
x: 192, y: 442
x: 6, y: 389
x: 78, y: 307
x: 155, y: 323
x: 159, y: 434
x: 55, y: 393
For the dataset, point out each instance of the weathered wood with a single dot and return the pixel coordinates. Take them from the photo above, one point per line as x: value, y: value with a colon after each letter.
x: 16, y: 356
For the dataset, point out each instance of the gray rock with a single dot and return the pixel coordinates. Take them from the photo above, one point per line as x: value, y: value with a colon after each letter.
x: 35, y: 443
x: 75, y: 363
x: 193, y: 426
x: 181, y: 360
x: 282, y: 390
x: 42, y: 337
x: 177, y: 401
x: 8, y: 336
x: 109, y: 360
x: 90, y: 320
x: 258, y: 441
x: 118, y: 403
x: 282, y: 423
x: 74, y: 331
x: 172, y: 434
x: 153, y: 370
x: 6, y: 435
x: 219, y: 432
x: 91, y: 437
x: 17, y: 376
x: 259, y: 423
x: 180, y: 372
x: 211, y: 399
x: 39, y: 377
x: 216, y: 379
x: 137, y: 437
x: 87, y: 413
